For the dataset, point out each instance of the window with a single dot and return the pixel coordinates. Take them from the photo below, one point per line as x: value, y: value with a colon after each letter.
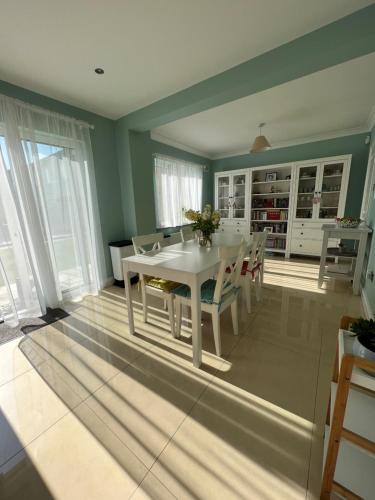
x: 178, y: 186
x: 49, y: 248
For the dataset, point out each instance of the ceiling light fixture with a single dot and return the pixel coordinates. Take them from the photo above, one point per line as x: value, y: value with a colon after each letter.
x: 99, y: 71
x: 261, y: 142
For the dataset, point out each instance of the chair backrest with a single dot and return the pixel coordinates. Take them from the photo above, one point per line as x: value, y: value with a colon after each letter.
x: 258, y: 245
x: 187, y: 233
x: 172, y: 239
x: 147, y: 242
x: 228, y: 276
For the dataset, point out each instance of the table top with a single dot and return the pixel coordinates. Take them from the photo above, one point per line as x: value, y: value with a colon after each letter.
x: 188, y: 256
x: 333, y: 228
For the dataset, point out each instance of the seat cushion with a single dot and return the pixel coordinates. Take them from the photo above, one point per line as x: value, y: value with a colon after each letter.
x: 207, y: 291
x: 161, y: 284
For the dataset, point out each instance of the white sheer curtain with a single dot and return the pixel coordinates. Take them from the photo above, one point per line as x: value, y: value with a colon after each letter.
x: 48, y: 211
x: 178, y: 186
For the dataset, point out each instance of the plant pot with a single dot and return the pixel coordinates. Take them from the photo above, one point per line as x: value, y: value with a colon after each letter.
x: 364, y: 349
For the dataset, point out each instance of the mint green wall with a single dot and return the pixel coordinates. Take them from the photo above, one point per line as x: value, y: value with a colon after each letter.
x: 105, y: 161
x: 340, y: 41
x: 352, y: 144
x: 137, y: 149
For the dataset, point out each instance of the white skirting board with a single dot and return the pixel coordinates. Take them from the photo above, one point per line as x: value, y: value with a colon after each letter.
x: 368, y: 312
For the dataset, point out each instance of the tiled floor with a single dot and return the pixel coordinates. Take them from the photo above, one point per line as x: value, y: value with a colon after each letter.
x: 88, y: 412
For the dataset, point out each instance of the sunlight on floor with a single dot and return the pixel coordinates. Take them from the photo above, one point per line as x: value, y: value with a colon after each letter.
x: 242, y: 426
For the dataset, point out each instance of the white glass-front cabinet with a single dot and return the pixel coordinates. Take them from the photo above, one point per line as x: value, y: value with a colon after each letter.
x: 321, y: 190
x: 320, y: 195
x: 291, y: 201
x: 231, y: 200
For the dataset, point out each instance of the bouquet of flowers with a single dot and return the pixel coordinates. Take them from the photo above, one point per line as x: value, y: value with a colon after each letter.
x: 206, y: 222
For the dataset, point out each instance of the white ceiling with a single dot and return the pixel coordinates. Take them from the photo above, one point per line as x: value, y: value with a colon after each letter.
x: 148, y: 48
x: 332, y: 102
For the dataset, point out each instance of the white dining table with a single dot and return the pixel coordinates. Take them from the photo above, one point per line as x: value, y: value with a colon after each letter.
x: 186, y: 263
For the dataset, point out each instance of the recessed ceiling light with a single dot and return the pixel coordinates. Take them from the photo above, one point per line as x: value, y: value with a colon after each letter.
x: 99, y: 71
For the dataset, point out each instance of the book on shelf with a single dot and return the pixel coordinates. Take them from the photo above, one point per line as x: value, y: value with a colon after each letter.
x: 279, y: 244
x: 278, y: 228
x: 270, y: 203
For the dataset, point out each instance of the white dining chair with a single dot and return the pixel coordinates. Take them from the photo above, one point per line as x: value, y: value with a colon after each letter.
x: 253, y: 268
x: 172, y: 239
x: 187, y: 233
x: 217, y: 294
x: 151, y: 285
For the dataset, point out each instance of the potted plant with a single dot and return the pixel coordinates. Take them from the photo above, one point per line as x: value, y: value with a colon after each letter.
x: 364, y: 342
x: 206, y: 222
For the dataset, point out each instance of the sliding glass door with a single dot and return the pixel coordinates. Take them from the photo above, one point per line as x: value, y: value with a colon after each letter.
x: 48, y: 228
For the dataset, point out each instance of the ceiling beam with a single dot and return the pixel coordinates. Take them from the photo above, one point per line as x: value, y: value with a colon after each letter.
x: 350, y: 37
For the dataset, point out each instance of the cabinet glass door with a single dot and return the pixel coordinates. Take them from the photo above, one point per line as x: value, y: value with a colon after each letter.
x: 239, y: 196
x: 306, y: 191
x: 223, y: 196
x: 330, y: 190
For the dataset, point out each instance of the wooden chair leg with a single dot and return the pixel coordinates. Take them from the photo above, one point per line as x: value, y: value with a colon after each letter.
x: 144, y: 301
x: 178, y: 308
x: 170, y: 301
x: 216, y: 329
x: 234, y: 311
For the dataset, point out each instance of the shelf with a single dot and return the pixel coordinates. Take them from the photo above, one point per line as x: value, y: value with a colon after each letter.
x: 268, y: 208
x: 272, y: 194
x: 359, y: 377
x: 331, y: 176
x: 240, y: 184
x: 270, y: 182
x: 331, y: 208
x: 307, y: 178
x: 276, y: 250
x: 277, y: 234
x: 306, y: 194
x: 261, y: 220
x: 330, y: 192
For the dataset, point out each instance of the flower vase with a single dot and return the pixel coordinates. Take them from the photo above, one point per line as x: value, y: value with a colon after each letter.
x: 205, y: 240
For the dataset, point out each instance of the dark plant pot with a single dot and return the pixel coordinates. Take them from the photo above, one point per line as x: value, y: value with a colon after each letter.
x: 364, y: 349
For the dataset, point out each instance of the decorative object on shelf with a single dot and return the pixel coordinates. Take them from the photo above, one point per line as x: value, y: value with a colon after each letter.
x: 348, y: 222
x: 268, y: 229
x: 288, y: 177
x: 271, y: 177
x: 205, y: 222
x: 364, y: 342
x: 261, y: 142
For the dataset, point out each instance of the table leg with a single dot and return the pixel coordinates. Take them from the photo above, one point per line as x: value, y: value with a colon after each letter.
x: 359, y: 264
x: 323, y: 259
x: 196, y: 322
x: 129, y: 302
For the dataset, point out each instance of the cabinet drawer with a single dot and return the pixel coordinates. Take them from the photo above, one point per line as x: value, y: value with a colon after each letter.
x: 307, y: 225
x: 306, y: 233
x: 313, y: 247
x: 232, y: 222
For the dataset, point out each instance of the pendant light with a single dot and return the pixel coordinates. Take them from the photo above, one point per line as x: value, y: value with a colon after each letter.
x: 261, y: 143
